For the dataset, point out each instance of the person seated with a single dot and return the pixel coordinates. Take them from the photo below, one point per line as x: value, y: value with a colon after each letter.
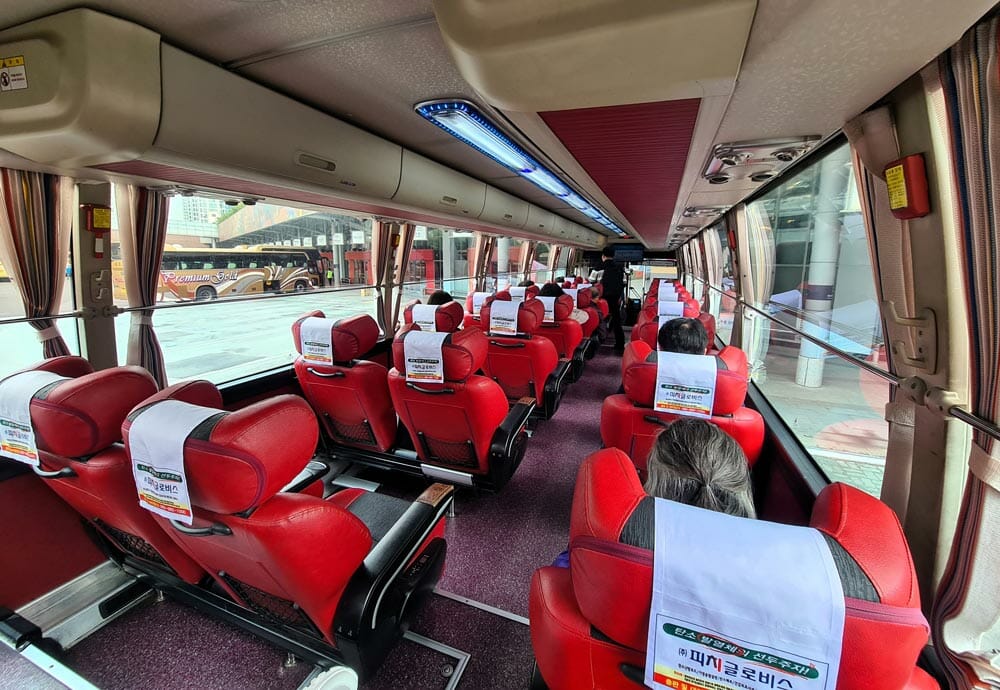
x: 553, y: 290
x: 560, y: 280
x: 695, y: 462
x: 526, y: 283
x: 684, y: 335
x: 439, y: 297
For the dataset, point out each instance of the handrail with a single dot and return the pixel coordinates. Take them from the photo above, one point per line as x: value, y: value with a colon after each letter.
x: 32, y: 319
x: 973, y: 420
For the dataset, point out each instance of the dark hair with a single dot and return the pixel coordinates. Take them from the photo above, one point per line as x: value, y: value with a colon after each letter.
x: 608, y: 253
x: 561, y: 279
x: 693, y: 461
x: 684, y: 335
x: 439, y: 297
x: 550, y: 290
x: 526, y: 283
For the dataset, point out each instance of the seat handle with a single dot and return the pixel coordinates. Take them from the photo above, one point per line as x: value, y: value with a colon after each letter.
x: 214, y: 529
x: 334, y: 375
x: 655, y: 420
x: 430, y: 391
x: 509, y: 345
x: 58, y: 474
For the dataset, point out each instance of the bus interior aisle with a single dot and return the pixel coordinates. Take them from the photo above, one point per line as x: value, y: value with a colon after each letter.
x: 479, y: 608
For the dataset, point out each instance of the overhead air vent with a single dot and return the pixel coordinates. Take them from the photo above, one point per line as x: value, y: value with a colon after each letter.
x: 757, y: 161
x: 704, y: 211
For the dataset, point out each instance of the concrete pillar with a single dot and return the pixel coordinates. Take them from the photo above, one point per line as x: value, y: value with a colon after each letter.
x: 503, y: 261
x: 834, y: 172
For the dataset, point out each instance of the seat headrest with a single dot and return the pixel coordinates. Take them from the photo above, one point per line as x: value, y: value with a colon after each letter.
x: 691, y: 310
x: 584, y: 299
x: 530, y: 291
x: 464, y: 352
x: 563, y: 307
x: 607, y: 491
x: 447, y: 317
x: 84, y: 415
x: 870, y: 532
x: 235, y: 461
x: 530, y: 314
x: 639, y: 380
x: 198, y: 392
x: 70, y: 366
x: 472, y: 298
x: 351, y: 337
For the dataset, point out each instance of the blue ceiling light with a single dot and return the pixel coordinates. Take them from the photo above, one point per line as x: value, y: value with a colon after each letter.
x: 462, y: 120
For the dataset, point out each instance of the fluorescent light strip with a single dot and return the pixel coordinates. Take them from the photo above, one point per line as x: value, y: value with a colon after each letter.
x: 464, y: 122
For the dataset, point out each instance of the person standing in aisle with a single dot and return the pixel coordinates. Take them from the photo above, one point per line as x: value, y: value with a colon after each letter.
x: 613, y: 280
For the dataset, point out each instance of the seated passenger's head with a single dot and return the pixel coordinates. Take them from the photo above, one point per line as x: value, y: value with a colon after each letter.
x: 684, y: 335
x: 695, y: 462
x: 550, y: 290
x: 560, y: 280
x: 526, y: 283
x: 439, y: 297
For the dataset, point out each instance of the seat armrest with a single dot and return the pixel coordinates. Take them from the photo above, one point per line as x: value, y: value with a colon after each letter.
x: 313, y: 470
x: 511, y: 426
x: 358, y: 611
x: 555, y: 380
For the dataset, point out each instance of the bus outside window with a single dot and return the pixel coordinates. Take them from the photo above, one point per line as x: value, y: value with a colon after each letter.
x: 208, y: 274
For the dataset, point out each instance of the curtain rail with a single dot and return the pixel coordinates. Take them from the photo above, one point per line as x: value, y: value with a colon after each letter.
x: 32, y: 319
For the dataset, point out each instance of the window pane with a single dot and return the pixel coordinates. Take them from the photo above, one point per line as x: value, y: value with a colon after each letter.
x: 439, y: 260
x: 811, y: 270
x: 214, y: 251
x: 21, y: 347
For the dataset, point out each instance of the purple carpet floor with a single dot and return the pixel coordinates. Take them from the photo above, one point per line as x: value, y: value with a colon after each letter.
x: 495, y: 542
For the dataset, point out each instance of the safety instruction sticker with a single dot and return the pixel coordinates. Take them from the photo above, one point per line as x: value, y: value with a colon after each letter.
x: 424, y: 358
x: 685, y: 384
x: 503, y: 317
x: 13, y: 73
x: 316, y: 340
x: 425, y: 316
x: 896, y: 181
x: 550, y: 308
x: 17, y: 438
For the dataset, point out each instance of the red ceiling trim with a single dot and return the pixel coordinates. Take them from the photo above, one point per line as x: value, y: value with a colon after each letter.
x: 635, y: 153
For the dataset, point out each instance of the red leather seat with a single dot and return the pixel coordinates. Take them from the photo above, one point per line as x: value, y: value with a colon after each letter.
x: 566, y: 334
x: 629, y: 423
x: 77, y: 426
x: 647, y: 326
x: 591, y: 618
x: 447, y: 317
x: 339, y: 569
x: 463, y: 426
x: 350, y: 396
x: 525, y: 365
x: 471, y: 317
x: 585, y: 302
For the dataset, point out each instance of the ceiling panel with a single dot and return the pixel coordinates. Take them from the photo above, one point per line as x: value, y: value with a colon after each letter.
x: 635, y: 153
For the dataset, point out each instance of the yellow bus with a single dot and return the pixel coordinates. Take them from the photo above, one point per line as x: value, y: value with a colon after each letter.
x: 204, y: 274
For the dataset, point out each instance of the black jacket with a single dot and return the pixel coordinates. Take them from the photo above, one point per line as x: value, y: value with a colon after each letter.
x: 612, y: 280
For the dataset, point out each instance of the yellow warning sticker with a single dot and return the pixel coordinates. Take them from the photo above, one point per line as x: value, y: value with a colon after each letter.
x: 13, y: 73
x: 897, y: 187
x: 102, y: 219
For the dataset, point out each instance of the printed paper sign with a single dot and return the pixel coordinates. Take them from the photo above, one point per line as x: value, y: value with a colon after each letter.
x: 671, y: 310
x: 420, y: 233
x: 503, y: 317
x: 517, y: 294
x: 574, y: 293
x: 477, y: 301
x: 338, y: 239
x: 425, y: 316
x: 666, y: 292
x: 584, y: 286
x: 550, y: 308
x: 774, y: 621
x: 685, y: 384
x: 357, y: 236
x: 156, y: 444
x: 17, y: 437
x: 316, y: 341
x: 424, y: 359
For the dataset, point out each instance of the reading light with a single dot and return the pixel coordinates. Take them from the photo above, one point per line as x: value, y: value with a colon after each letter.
x: 463, y: 121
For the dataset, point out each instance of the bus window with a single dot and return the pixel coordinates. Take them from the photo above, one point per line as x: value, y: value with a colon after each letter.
x: 439, y: 260
x: 810, y: 271
x: 238, y: 266
x: 20, y: 343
